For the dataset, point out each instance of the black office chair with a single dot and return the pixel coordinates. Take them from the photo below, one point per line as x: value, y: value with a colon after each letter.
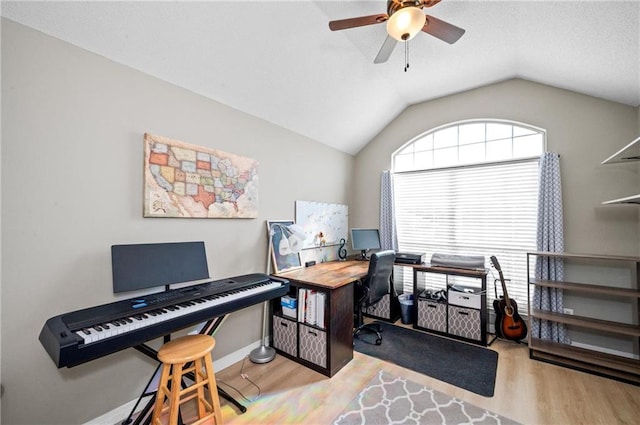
x: 372, y: 289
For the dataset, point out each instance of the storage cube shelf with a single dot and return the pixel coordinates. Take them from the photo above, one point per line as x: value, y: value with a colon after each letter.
x: 463, y: 315
x: 325, y: 347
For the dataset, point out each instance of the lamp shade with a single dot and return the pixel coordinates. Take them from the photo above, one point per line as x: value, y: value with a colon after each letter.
x: 292, y: 238
x: 296, y: 238
x: 284, y: 248
x: 406, y: 23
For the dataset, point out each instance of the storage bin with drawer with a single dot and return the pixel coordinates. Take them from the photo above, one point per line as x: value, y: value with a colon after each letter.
x: 313, y: 345
x: 387, y: 309
x: 285, y: 335
x: 432, y: 315
x: 464, y: 313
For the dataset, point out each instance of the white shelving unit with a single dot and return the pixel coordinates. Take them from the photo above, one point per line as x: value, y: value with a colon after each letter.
x: 629, y: 153
x: 634, y: 199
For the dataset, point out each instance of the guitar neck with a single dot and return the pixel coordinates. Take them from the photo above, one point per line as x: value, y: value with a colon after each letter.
x: 504, y: 288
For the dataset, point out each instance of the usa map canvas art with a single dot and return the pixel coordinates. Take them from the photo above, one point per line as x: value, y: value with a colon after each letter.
x: 188, y: 181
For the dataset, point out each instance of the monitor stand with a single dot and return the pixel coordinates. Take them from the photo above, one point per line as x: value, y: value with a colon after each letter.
x: 363, y: 255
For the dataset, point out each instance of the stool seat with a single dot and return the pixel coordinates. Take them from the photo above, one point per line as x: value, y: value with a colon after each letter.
x: 187, y: 356
x: 186, y: 349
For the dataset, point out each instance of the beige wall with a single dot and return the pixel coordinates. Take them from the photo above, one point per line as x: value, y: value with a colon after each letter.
x: 72, y: 133
x: 582, y: 129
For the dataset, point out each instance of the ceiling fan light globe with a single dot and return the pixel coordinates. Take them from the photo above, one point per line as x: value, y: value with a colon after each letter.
x: 406, y: 23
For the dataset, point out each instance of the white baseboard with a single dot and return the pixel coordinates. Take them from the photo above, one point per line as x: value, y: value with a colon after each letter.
x: 119, y: 414
x: 114, y: 417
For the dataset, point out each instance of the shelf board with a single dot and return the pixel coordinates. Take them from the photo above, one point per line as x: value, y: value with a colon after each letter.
x: 584, y: 256
x: 599, y: 359
x: 634, y: 199
x: 629, y: 153
x: 584, y: 287
x: 588, y: 322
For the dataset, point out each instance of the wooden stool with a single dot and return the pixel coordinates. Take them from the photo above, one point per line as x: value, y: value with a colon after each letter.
x: 194, y: 352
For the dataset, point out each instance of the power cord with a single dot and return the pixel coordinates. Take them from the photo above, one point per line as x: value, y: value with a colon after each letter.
x: 244, y: 376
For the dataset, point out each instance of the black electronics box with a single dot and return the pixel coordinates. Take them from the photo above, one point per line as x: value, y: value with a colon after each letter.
x: 409, y: 258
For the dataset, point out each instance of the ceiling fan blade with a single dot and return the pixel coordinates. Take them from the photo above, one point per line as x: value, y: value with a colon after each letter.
x: 385, y: 50
x: 343, y: 24
x: 429, y: 3
x: 442, y: 30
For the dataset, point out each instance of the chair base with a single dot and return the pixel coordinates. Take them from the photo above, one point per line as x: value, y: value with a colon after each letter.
x: 372, y: 328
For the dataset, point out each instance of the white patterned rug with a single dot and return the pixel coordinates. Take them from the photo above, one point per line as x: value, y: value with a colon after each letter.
x: 391, y: 400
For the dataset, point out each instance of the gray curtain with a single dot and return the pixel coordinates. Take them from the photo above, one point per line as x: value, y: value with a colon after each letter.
x: 388, y: 236
x: 550, y: 238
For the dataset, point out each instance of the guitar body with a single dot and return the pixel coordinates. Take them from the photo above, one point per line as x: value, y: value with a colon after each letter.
x: 509, y: 326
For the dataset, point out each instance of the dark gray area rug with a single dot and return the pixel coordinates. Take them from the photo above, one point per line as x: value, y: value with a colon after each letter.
x: 457, y: 363
x: 388, y: 399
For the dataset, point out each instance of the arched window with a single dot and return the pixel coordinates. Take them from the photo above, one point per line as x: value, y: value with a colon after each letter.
x: 470, y: 142
x: 470, y: 188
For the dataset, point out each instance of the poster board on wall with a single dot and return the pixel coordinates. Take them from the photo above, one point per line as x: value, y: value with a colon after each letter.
x: 324, y: 224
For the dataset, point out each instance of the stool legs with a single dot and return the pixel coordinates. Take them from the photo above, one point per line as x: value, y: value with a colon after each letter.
x: 203, y: 404
x: 202, y: 370
x: 176, y: 387
x: 162, y: 392
x: 213, y: 389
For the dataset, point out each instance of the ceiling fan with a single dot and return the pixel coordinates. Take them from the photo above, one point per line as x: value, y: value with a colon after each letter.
x: 404, y: 20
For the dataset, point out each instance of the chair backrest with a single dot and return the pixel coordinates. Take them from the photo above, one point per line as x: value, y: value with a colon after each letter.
x: 379, y: 276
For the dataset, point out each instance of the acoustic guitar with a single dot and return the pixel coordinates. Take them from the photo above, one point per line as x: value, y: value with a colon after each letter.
x: 509, y: 324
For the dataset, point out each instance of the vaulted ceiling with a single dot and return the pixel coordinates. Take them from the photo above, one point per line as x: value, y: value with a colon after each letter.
x: 278, y: 60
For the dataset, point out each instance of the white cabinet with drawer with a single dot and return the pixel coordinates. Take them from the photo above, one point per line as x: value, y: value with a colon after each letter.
x: 464, y: 299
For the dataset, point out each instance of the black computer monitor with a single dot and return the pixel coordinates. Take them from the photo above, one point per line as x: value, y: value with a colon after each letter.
x: 150, y: 265
x: 365, y: 239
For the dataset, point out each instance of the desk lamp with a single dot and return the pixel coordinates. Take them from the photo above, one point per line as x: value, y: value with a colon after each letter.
x: 290, y: 243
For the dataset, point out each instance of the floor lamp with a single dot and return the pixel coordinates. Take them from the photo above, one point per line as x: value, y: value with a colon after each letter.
x: 291, y: 240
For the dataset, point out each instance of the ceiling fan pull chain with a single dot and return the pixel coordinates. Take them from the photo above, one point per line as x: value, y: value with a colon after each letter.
x: 406, y: 55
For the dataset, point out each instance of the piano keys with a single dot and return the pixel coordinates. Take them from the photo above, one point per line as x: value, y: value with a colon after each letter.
x: 77, y: 337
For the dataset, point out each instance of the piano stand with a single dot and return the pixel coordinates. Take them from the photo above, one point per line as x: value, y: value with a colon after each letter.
x: 209, y: 328
x: 232, y: 400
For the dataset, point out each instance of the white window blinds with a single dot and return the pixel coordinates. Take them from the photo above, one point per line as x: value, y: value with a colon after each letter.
x: 485, y: 210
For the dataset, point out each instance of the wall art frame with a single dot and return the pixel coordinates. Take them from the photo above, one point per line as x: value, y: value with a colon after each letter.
x: 280, y: 263
x: 183, y: 180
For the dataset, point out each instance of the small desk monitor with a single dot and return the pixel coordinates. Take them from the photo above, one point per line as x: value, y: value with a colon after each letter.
x: 364, y: 240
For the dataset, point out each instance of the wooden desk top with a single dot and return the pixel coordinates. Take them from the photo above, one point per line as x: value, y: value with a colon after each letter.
x: 332, y: 274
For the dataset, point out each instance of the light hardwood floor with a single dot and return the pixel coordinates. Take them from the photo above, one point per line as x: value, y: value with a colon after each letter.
x: 528, y: 391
